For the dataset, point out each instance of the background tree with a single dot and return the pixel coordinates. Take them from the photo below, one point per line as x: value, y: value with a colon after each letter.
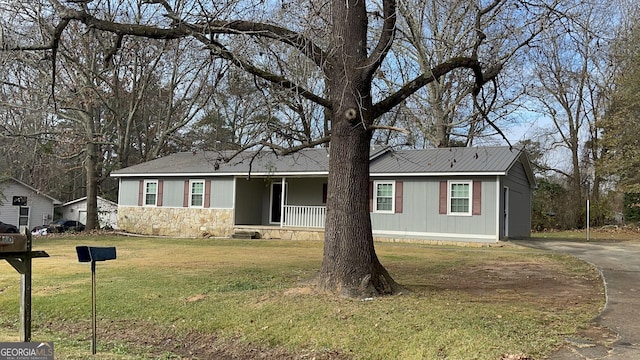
x: 444, y: 113
x: 620, y: 147
x: 570, y: 87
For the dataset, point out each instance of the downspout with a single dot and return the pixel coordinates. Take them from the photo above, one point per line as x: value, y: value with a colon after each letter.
x: 282, y: 192
x: 499, y: 204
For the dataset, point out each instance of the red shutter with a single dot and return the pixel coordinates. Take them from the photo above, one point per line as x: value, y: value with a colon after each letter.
x: 159, y: 202
x: 185, y: 199
x: 370, y: 196
x: 443, y: 197
x: 477, y: 198
x: 207, y: 193
x: 140, y: 192
x: 398, y: 197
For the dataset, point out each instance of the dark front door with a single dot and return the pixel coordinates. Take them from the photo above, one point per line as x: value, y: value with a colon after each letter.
x: 276, y: 202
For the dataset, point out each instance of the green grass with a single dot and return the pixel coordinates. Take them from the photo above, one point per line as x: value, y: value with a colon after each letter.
x: 255, y: 293
x: 612, y: 233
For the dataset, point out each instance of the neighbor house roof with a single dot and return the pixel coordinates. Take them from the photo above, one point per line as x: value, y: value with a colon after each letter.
x: 85, y: 198
x: 384, y: 162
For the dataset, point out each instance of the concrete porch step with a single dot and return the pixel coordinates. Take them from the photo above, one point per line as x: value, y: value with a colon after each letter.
x: 245, y: 235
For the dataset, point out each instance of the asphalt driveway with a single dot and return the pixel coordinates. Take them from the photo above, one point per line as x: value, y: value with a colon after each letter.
x: 619, y: 263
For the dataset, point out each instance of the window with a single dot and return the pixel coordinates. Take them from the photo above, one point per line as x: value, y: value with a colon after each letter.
x: 384, y: 194
x: 196, y: 193
x: 24, y: 216
x: 150, y: 192
x: 460, y: 197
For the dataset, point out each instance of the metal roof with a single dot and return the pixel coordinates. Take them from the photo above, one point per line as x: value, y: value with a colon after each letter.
x: 212, y: 163
x: 482, y: 160
x: 428, y: 162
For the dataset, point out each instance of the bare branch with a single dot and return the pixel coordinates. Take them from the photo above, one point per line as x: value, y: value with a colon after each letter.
x: 386, y: 38
x: 435, y: 73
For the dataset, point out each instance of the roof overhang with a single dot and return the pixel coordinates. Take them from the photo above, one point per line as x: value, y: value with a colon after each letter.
x: 436, y: 174
x: 229, y: 174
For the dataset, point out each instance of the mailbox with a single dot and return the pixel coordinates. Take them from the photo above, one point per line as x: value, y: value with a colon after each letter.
x: 93, y: 253
x: 13, y: 243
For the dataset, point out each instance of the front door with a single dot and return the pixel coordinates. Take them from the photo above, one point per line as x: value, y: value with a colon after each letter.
x: 276, y: 202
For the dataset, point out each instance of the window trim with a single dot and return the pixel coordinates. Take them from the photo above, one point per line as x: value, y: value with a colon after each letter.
x: 191, y: 193
x: 450, y: 184
x: 393, y: 196
x: 145, y: 193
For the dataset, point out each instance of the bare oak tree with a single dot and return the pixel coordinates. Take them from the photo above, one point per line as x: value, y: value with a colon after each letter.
x: 343, y: 45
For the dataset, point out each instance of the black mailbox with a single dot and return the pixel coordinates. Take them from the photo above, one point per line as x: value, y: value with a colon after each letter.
x: 92, y: 253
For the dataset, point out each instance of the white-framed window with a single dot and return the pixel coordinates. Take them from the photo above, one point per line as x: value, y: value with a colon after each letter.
x: 150, y: 193
x: 459, y: 199
x: 196, y: 193
x: 384, y: 193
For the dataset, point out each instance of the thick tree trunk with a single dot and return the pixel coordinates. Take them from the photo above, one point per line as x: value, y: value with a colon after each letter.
x: 91, y: 168
x: 92, y: 186
x: 350, y: 266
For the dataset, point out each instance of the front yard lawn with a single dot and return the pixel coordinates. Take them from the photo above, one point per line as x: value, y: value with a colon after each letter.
x: 246, y: 299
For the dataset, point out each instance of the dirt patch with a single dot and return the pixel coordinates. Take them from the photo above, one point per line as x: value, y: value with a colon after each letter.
x: 527, y: 280
x: 159, y: 342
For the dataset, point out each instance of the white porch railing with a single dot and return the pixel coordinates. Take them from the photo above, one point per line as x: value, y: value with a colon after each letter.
x: 304, y: 216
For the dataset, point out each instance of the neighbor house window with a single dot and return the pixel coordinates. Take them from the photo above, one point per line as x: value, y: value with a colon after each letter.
x: 196, y: 193
x: 384, y: 194
x: 150, y: 192
x: 460, y: 197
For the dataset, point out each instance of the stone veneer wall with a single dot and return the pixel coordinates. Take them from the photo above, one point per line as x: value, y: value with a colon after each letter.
x: 182, y: 222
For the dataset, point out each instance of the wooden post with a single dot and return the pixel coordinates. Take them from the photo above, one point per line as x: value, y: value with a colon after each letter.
x: 94, y: 320
x: 21, y: 259
x: 25, y: 294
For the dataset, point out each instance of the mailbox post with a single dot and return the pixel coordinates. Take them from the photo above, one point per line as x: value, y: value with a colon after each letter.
x: 93, y: 254
x: 17, y: 250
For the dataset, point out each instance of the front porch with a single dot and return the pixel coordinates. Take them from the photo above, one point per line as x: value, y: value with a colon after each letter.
x: 267, y: 204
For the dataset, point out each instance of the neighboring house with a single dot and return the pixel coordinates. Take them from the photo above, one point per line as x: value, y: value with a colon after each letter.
x: 77, y: 210
x: 446, y: 194
x: 25, y: 206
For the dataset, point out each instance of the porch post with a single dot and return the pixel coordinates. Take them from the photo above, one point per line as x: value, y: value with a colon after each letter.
x: 282, y: 201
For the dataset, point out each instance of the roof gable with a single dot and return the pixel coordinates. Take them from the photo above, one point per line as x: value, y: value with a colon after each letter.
x: 34, y: 190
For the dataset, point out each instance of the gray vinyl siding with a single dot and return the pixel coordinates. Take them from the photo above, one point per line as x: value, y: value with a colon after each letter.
x: 128, y: 192
x: 420, y: 210
x: 173, y: 192
x: 305, y: 191
x: 249, y: 201
x: 519, y: 201
x: 222, y: 193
